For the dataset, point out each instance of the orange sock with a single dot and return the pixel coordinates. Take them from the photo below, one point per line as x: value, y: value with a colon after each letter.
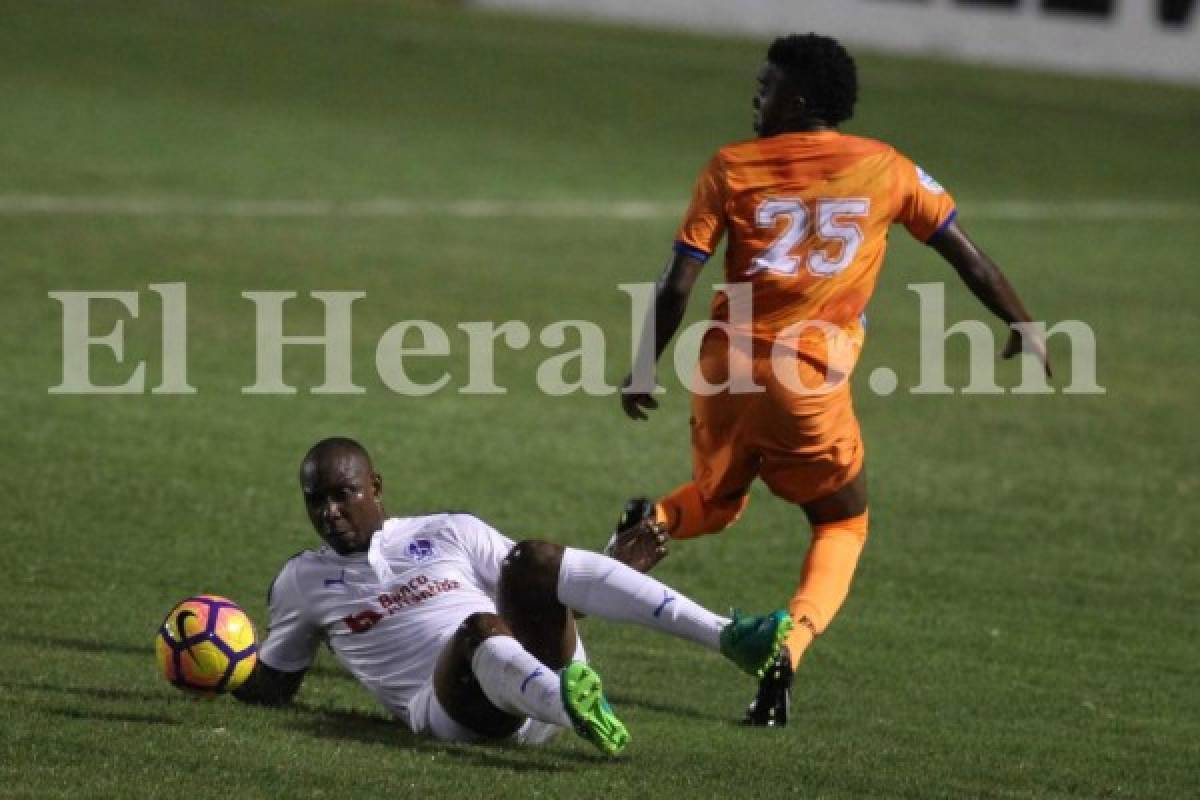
x: 825, y: 580
x: 687, y: 514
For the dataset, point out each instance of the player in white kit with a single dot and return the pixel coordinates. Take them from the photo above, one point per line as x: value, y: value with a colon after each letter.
x: 458, y: 631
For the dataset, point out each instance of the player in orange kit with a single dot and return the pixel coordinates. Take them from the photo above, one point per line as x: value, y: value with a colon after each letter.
x: 806, y: 210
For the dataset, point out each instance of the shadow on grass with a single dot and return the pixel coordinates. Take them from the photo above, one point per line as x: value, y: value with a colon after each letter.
x: 346, y: 725
x: 90, y: 715
x: 323, y: 668
x: 368, y: 728
x: 81, y: 645
x: 619, y: 699
x: 93, y: 692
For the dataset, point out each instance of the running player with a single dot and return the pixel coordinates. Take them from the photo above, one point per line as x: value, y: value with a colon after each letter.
x: 459, y: 632
x: 806, y: 211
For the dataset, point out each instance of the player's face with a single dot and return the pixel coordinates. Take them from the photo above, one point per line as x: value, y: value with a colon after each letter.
x: 344, y: 498
x: 773, y: 103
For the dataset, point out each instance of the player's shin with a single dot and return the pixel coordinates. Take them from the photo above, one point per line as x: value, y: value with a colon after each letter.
x: 825, y: 580
x: 597, y: 585
x: 516, y: 682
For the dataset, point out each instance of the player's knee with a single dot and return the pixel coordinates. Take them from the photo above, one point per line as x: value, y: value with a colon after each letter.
x: 477, y: 627
x: 532, y: 562
x: 853, y: 528
x: 720, y: 514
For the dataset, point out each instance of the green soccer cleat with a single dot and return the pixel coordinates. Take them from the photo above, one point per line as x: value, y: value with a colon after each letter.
x: 594, y: 719
x: 753, y: 642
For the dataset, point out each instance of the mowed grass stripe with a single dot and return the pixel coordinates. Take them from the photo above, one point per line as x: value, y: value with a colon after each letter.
x: 567, y: 209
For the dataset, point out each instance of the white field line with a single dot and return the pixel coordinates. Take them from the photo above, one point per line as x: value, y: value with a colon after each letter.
x: 398, y: 207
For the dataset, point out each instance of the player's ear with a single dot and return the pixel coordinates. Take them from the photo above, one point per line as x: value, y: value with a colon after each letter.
x: 377, y: 484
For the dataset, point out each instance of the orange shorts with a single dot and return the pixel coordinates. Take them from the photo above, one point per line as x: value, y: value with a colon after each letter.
x: 804, y: 446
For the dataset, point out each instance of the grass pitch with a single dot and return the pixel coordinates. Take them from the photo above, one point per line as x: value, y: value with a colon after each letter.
x: 1024, y: 622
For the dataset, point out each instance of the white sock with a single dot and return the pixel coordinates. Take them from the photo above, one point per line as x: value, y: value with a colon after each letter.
x: 600, y: 586
x: 516, y: 682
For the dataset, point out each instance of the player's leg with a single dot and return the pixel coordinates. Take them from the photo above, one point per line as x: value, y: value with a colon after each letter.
x: 839, y: 532
x: 688, y: 513
x: 488, y: 683
x: 541, y: 581
x: 683, y: 514
x: 526, y: 598
x: 723, y: 467
x: 479, y: 675
x: 814, y: 458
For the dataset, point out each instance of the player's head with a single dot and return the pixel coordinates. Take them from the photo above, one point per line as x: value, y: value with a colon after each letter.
x: 808, y: 82
x: 343, y: 494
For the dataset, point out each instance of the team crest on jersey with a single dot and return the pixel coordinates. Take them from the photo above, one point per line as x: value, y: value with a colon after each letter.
x: 420, y: 549
x: 929, y: 182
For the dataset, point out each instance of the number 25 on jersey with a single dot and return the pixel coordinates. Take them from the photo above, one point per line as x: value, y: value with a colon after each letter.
x: 835, y: 225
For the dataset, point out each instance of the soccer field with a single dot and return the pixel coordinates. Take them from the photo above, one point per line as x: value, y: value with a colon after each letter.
x: 1024, y: 623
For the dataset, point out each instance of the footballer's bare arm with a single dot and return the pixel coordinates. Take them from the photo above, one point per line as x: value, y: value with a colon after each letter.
x: 991, y: 287
x: 670, y: 303
x: 268, y: 686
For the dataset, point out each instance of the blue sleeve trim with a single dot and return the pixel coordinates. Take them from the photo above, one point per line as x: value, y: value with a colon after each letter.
x: 945, y: 224
x: 695, y: 252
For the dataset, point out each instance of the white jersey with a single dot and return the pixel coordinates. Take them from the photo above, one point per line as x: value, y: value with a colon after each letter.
x: 386, y: 623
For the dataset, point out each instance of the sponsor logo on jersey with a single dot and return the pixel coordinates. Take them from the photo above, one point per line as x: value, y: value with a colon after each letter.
x: 415, y: 591
x: 420, y: 549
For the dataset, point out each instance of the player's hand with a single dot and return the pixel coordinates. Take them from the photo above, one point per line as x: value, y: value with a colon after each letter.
x: 640, y: 547
x: 635, y: 404
x: 1036, y: 345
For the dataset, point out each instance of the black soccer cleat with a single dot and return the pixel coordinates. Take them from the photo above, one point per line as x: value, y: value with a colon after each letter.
x: 637, y: 509
x: 638, y: 541
x: 773, y: 703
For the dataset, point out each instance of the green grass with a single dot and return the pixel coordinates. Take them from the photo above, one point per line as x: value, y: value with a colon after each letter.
x: 1024, y: 623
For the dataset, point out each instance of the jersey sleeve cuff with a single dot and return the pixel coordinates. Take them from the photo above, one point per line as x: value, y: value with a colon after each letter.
x: 953, y: 215
x: 685, y: 249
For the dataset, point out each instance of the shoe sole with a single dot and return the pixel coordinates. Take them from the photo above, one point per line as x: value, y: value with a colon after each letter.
x: 583, y: 697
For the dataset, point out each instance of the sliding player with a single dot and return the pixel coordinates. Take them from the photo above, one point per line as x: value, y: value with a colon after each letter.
x: 459, y: 632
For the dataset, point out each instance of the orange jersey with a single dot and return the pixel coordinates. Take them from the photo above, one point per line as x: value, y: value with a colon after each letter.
x: 807, y: 216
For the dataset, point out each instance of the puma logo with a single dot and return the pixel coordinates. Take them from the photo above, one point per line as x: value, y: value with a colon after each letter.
x: 530, y: 677
x: 667, y: 598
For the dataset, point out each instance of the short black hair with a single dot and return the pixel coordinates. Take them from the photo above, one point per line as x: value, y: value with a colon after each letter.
x: 821, y: 71
x: 336, y: 444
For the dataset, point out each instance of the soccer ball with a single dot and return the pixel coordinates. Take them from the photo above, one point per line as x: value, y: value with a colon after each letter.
x: 206, y: 644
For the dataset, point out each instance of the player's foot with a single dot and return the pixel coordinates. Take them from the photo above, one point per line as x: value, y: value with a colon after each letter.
x: 773, y: 703
x: 583, y: 698
x: 753, y: 642
x: 638, y: 541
